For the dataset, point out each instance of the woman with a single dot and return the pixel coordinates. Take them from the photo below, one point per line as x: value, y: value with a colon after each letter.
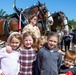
x: 32, y: 26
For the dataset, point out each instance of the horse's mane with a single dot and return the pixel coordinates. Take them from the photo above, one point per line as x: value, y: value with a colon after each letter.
x: 54, y: 14
x: 57, y: 13
x: 29, y: 10
x: 14, y: 15
x: 9, y: 16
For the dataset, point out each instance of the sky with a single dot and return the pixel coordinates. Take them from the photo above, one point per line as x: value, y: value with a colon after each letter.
x: 66, y: 6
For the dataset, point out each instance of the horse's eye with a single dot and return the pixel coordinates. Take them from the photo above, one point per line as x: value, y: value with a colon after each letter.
x: 44, y: 10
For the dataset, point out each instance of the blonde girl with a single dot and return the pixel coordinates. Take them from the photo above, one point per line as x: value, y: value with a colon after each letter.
x: 40, y: 43
x: 9, y: 62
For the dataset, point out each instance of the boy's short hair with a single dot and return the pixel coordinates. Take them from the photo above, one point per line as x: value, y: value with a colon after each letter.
x: 71, y: 55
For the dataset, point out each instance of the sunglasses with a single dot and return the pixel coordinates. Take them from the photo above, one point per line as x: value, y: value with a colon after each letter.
x: 35, y: 19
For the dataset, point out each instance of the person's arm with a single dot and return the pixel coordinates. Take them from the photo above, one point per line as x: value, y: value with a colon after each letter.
x: 40, y: 59
x: 74, y: 70
x: 61, y: 52
x: 2, y: 55
x: 59, y: 61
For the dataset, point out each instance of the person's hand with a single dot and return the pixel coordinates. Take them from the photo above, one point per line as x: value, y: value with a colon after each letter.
x: 61, y: 52
x: 1, y: 72
x: 8, y: 49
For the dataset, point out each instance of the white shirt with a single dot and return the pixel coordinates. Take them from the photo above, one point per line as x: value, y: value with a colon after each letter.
x: 9, y: 62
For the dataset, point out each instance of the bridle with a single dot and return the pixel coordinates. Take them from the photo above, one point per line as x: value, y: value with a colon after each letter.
x: 43, y: 10
x: 63, y: 20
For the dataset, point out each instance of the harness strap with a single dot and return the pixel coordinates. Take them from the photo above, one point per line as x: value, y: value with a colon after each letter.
x: 19, y: 24
x: 6, y: 28
x: 38, y: 13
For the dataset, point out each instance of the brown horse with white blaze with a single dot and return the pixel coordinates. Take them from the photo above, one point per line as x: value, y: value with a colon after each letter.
x: 60, y: 20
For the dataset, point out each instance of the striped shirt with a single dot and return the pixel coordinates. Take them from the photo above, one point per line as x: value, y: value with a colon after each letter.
x: 27, y: 58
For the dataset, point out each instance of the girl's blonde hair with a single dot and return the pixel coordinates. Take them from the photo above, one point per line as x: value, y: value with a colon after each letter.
x: 42, y: 39
x: 71, y: 55
x: 16, y: 35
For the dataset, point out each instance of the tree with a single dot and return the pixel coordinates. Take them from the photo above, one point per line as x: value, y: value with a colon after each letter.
x: 71, y: 23
x: 2, y: 12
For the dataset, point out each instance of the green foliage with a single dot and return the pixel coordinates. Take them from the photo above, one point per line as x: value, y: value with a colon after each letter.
x: 71, y: 23
x: 2, y: 12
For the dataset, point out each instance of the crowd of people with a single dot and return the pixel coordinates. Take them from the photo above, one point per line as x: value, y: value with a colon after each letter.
x: 30, y: 53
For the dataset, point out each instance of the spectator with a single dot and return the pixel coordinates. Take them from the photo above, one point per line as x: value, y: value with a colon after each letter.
x: 74, y: 39
x: 67, y: 39
x: 32, y: 26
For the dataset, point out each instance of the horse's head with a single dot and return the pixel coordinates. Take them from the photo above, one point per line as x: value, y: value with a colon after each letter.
x: 59, y: 20
x: 44, y: 14
x: 63, y: 20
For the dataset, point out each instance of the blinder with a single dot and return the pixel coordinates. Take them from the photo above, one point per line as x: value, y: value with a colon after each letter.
x: 43, y: 9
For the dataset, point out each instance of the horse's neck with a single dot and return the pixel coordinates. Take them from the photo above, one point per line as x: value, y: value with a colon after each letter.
x: 31, y: 10
x: 55, y: 24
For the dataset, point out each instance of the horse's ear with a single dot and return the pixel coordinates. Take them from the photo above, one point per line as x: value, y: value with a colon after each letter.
x: 67, y: 18
x: 44, y: 4
x: 39, y: 3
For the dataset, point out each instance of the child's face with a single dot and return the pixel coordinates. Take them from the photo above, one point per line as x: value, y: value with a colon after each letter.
x: 52, y: 42
x: 40, y: 45
x: 15, y: 43
x: 68, y: 63
x: 28, y: 41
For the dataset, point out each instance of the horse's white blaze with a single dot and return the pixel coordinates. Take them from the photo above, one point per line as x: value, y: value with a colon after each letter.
x: 66, y: 27
x: 50, y: 19
x: 66, y: 24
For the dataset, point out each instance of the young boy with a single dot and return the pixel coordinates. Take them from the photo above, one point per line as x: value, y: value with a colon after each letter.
x: 67, y: 68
